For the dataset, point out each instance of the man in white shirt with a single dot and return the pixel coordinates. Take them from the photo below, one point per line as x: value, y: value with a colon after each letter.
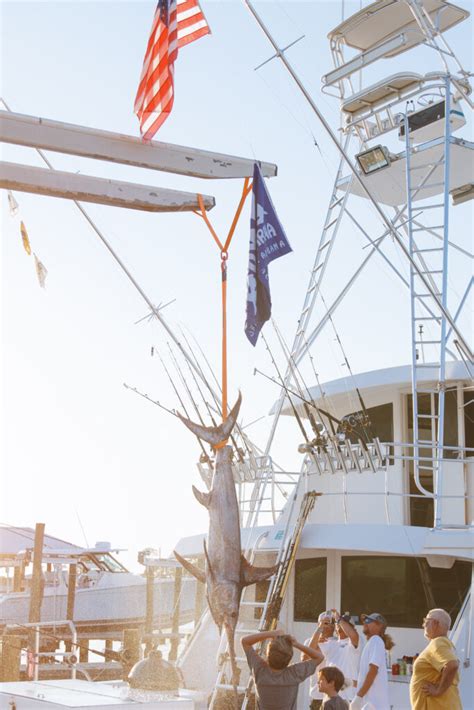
x: 372, y: 683
x: 341, y: 651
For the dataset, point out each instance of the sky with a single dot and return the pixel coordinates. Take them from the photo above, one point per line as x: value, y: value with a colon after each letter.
x: 89, y: 458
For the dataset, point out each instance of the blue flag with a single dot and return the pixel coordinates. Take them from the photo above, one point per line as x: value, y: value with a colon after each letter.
x: 267, y: 242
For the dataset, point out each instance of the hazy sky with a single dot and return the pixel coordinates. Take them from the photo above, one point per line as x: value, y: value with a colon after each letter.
x: 77, y: 448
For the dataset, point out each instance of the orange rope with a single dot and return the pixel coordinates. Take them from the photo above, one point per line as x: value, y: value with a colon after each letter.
x: 224, y: 256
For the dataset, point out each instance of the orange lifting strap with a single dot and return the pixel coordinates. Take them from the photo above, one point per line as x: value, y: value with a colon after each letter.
x: 224, y: 248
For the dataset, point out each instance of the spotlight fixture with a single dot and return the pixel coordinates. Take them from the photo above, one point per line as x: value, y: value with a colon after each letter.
x: 374, y: 159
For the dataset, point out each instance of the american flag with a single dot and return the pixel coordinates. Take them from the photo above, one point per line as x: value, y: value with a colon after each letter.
x: 175, y: 24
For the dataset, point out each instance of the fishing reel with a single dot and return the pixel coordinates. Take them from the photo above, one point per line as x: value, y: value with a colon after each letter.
x: 353, y: 423
x: 319, y: 443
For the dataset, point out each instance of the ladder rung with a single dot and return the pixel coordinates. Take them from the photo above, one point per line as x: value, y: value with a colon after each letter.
x: 256, y: 604
x: 427, y: 441
x: 246, y: 631
x: 432, y: 207
x: 427, y: 391
x: 423, y: 365
x: 324, y: 245
x: 333, y: 221
x: 425, y: 229
x: 320, y: 266
x: 427, y: 416
x: 336, y: 203
x: 427, y: 342
x: 420, y: 167
x: 426, y: 318
x: 423, y: 251
x: 434, y: 271
x: 225, y: 686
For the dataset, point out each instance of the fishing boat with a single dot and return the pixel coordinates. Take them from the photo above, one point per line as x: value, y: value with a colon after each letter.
x: 376, y: 514
x: 390, y: 452
x: 107, y: 598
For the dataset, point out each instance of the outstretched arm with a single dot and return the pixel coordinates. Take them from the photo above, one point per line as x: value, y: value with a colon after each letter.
x: 348, y: 629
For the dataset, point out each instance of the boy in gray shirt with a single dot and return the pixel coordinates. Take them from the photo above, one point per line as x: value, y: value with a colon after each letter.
x: 330, y: 682
x: 276, y: 682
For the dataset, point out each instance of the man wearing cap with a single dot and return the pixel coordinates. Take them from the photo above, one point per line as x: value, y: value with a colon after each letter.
x: 341, y: 651
x: 324, y: 639
x: 372, y: 683
x: 434, y: 684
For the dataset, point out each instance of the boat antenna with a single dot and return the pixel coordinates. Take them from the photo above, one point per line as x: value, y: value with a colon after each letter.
x: 82, y: 527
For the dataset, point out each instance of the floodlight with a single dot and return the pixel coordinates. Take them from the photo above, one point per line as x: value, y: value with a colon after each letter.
x: 375, y: 159
x: 463, y: 193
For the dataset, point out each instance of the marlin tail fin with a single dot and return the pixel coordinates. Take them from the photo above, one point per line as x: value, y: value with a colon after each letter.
x: 215, y: 434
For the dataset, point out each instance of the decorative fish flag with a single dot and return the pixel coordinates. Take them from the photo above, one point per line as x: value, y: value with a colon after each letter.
x: 25, y: 239
x: 175, y: 24
x: 267, y: 242
x: 41, y: 271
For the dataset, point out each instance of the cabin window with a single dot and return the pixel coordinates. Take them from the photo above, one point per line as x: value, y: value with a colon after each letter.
x: 310, y: 588
x: 403, y: 589
x: 381, y: 426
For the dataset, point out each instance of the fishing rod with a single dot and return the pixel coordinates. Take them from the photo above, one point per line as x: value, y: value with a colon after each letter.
x: 297, y: 374
x: 365, y: 420
x: 237, y: 450
x: 238, y: 428
x: 185, y: 385
x: 204, y: 457
x: 289, y: 391
x: 295, y: 411
x: 153, y: 401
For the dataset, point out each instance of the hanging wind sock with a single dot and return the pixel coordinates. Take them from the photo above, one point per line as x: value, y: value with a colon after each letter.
x: 41, y: 271
x: 267, y: 242
x: 12, y: 204
x: 25, y: 239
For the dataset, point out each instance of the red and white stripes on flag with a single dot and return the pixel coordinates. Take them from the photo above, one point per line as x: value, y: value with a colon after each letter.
x: 175, y: 24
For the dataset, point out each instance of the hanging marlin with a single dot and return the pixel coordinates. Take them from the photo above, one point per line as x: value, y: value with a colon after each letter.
x: 227, y: 571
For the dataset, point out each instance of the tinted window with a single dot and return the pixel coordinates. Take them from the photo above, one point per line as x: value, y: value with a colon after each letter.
x: 403, y: 589
x: 310, y: 588
x: 469, y: 420
x: 381, y: 426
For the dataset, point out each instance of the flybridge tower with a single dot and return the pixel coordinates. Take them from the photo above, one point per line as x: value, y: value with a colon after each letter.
x: 412, y: 187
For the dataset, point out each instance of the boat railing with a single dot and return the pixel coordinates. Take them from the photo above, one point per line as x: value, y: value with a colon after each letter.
x: 69, y: 658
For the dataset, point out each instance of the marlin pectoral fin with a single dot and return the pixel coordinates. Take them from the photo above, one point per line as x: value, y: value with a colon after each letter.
x: 202, y: 498
x: 192, y: 569
x: 250, y: 574
x: 215, y: 434
x: 209, y: 567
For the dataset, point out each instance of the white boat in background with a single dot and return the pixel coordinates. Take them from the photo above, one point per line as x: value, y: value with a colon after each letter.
x: 108, y: 598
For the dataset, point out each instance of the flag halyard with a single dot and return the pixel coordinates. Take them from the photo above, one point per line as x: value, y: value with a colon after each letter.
x: 268, y: 242
x: 175, y: 24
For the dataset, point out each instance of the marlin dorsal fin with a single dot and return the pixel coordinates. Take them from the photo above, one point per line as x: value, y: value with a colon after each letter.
x: 202, y: 498
x: 192, y: 569
x: 250, y: 574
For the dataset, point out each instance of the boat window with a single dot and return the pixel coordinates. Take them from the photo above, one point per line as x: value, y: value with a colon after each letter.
x: 109, y: 563
x: 403, y: 589
x: 310, y: 588
x: 381, y: 425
